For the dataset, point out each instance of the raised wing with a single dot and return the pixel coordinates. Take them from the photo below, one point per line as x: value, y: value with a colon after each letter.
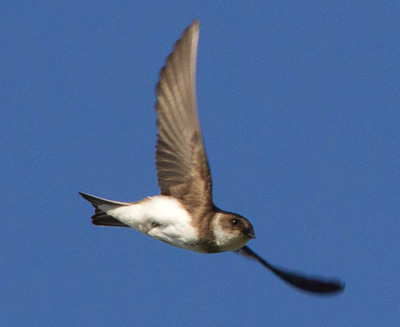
x: 181, y: 160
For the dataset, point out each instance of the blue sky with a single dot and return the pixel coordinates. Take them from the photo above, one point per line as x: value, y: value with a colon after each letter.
x: 299, y: 107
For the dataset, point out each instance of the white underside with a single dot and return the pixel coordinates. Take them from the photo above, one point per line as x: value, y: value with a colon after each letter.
x: 161, y: 217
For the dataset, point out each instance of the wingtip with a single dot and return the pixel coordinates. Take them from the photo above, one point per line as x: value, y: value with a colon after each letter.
x: 194, y: 27
x: 195, y: 22
x: 341, y: 286
x: 311, y: 284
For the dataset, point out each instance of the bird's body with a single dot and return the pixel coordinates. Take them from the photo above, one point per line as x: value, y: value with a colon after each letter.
x: 184, y: 214
x: 166, y: 219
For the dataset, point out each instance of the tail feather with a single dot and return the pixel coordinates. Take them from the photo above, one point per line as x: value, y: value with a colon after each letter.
x: 100, y: 218
x: 96, y: 201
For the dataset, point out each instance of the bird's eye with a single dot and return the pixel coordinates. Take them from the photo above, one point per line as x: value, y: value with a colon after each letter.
x: 234, y: 221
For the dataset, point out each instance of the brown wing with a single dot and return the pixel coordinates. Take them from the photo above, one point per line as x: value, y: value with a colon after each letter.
x: 182, y: 167
x: 312, y: 284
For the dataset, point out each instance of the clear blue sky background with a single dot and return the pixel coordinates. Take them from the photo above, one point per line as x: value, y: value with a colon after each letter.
x: 299, y: 106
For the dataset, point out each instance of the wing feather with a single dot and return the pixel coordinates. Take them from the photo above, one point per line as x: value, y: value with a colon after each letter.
x: 181, y: 160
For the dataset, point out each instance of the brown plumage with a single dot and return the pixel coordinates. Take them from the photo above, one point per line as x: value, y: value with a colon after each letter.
x: 184, y: 215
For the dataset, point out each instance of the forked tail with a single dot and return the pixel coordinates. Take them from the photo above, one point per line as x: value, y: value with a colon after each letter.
x: 100, y: 218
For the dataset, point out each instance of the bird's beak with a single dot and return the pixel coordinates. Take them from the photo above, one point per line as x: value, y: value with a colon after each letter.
x: 250, y: 233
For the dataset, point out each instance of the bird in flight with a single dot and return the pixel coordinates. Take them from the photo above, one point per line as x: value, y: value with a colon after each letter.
x: 184, y: 214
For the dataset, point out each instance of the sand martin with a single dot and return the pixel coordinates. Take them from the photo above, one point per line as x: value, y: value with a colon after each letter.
x: 184, y: 215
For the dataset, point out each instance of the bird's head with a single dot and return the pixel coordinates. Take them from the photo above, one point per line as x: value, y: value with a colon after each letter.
x: 231, y: 231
